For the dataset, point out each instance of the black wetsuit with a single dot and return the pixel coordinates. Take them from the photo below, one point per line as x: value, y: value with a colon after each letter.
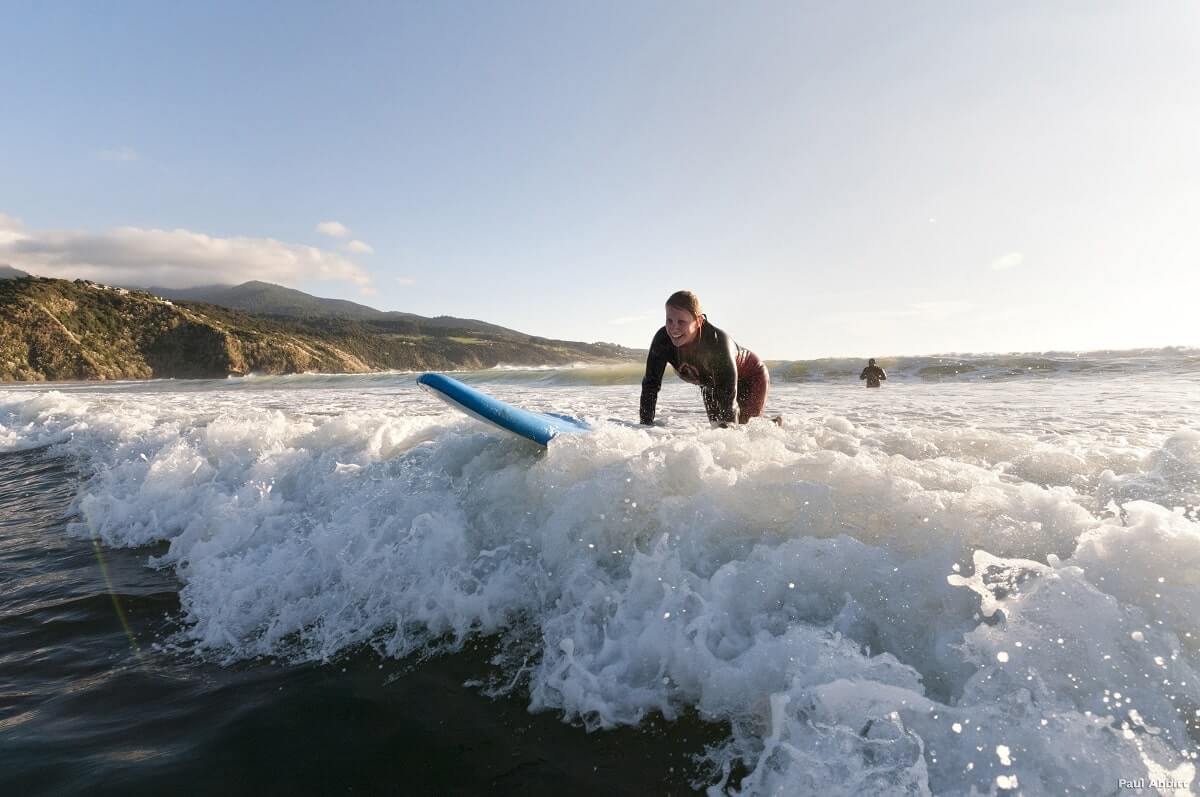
x: 727, y: 374
x: 873, y: 374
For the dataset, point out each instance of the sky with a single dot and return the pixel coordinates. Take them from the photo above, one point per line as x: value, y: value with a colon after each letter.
x: 832, y: 179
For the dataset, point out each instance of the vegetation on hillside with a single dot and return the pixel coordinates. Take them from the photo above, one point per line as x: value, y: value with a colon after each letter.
x: 60, y: 330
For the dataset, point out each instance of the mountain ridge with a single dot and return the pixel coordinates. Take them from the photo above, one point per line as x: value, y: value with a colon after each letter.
x: 60, y: 330
x: 267, y: 298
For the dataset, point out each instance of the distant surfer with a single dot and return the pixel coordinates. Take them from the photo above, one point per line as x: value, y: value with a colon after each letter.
x: 873, y: 374
x: 732, y: 380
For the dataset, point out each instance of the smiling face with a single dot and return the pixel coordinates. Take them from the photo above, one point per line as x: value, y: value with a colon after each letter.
x: 682, y: 326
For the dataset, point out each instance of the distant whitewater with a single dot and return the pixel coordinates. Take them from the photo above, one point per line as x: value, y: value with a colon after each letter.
x: 924, y: 368
x: 919, y: 369
x: 982, y: 578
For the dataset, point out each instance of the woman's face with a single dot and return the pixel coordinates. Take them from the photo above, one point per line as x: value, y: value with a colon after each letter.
x: 682, y: 326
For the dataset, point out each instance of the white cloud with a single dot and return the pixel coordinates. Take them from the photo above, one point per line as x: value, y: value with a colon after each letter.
x: 118, y: 154
x: 10, y: 229
x: 1010, y: 260
x: 359, y: 248
x: 632, y: 319
x: 940, y: 309
x: 168, y: 258
x: 917, y: 311
x: 405, y: 281
x: 333, y: 228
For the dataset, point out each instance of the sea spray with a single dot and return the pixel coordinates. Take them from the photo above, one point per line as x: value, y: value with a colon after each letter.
x: 927, y: 589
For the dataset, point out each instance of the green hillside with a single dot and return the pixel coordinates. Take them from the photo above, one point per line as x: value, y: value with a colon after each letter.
x: 62, y: 330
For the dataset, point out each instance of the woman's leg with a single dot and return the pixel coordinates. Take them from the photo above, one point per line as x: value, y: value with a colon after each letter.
x: 752, y: 394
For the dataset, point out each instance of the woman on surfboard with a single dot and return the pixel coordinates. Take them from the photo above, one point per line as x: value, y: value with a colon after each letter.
x: 732, y: 380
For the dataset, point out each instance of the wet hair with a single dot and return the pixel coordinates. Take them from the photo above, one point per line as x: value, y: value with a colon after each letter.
x: 685, y: 300
x: 871, y: 361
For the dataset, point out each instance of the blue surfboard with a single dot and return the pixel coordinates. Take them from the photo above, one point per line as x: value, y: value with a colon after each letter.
x: 540, y: 427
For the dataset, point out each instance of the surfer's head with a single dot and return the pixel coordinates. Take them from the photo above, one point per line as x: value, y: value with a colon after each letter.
x: 684, y: 317
x: 871, y: 361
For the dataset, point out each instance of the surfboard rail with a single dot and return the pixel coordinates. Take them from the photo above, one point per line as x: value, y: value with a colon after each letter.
x: 540, y: 427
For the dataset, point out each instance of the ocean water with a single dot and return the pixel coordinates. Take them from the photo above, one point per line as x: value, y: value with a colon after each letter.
x: 982, y: 578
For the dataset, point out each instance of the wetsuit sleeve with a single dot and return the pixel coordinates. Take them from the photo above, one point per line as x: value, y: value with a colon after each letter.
x: 656, y: 364
x: 720, y: 400
x: 882, y: 375
x: 863, y: 375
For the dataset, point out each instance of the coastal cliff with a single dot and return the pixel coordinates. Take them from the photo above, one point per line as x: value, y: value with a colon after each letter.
x: 60, y: 330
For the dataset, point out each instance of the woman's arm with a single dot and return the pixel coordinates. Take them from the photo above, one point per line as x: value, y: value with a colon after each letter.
x: 720, y: 400
x: 656, y: 364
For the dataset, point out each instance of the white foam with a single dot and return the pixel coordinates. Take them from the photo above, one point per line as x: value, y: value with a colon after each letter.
x: 877, y: 597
